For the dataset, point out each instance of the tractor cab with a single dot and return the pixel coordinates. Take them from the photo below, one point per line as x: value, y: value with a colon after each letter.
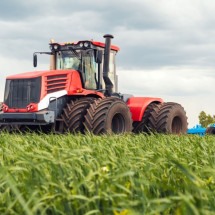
x: 88, y: 58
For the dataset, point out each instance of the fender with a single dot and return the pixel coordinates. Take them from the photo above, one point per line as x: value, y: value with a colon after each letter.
x: 138, y: 105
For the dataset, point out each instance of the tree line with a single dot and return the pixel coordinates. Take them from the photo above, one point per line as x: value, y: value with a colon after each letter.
x: 206, y: 119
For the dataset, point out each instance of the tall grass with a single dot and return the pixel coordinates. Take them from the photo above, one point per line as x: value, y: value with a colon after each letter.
x: 120, y: 175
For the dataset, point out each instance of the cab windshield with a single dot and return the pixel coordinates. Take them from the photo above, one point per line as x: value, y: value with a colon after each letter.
x: 81, y: 61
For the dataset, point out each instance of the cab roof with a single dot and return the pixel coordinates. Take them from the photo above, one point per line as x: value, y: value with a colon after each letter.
x: 95, y: 43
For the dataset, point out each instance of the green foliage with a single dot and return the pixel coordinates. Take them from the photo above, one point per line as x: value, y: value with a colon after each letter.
x: 120, y: 175
x: 206, y: 119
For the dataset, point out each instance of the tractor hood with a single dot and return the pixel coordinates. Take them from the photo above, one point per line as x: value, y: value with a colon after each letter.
x: 39, y: 88
x: 36, y: 74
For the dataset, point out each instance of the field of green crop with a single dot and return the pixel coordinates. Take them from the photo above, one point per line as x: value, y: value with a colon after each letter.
x: 119, y: 175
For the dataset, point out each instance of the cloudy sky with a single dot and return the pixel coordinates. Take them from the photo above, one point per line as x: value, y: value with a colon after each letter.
x: 167, y: 46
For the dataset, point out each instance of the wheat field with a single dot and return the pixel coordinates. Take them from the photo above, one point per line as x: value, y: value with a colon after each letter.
x: 119, y: 174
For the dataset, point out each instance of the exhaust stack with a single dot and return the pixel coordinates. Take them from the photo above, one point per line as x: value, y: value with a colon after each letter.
x: 108, y: 82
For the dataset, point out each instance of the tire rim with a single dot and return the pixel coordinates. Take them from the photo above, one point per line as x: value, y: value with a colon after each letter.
x: 118, y: 124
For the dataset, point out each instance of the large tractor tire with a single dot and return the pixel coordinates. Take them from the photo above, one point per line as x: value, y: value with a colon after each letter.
x: 147, y: 124
x: 73, y: 115
x: 108, y: 115
x: 170, y: 118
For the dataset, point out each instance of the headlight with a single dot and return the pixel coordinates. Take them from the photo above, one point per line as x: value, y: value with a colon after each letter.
x: 86, y: 44
x: 55, y: 47
x: 81, y: 45
x: 50, y: 48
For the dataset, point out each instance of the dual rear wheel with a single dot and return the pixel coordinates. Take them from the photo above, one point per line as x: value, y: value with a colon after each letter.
x: 168, y: 118
x: 98, y: 116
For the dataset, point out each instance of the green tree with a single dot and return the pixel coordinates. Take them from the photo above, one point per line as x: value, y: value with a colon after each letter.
x: 206, y: 119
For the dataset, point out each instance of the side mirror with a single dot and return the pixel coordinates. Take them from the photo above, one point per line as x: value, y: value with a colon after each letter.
x: 98, y: 57
x: 35, y: 60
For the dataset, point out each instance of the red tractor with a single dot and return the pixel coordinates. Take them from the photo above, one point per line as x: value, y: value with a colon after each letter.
x: 79, y: 94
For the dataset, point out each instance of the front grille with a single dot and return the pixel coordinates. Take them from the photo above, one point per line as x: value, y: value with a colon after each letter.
x: 20, y: 92
x: 56, y: 83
